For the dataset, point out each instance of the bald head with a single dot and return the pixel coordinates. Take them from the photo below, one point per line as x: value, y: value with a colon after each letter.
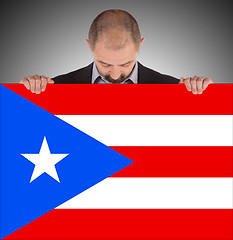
x: 115, y: 29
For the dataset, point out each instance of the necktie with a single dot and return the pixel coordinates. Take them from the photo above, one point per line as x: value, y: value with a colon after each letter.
x: 129, y: 82
x: 99, y: 80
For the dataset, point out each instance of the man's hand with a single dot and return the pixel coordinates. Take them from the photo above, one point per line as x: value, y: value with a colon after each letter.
x: 36, y: 83
x: 196, y: 84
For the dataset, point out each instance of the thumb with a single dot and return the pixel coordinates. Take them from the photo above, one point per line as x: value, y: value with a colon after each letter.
x: 181, y: 80
x: 50, y: 80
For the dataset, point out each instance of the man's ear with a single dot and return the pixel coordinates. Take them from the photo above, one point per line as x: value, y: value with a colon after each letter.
x: 87, y: 42
x: 142, y: 40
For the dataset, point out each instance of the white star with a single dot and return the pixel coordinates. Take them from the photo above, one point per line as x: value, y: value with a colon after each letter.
x: 44, y: 162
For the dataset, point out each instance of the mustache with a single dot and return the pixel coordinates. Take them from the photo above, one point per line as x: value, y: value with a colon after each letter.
x: 119, y: 80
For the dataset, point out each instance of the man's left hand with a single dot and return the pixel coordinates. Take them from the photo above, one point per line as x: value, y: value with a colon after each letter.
x: 196, y: 84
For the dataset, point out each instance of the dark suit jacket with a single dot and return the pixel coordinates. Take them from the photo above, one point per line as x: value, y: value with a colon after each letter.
x: 145, y: 75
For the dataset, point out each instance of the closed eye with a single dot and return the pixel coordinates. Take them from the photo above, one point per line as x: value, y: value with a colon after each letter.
x: 125, y: 65
x: 106, y: 65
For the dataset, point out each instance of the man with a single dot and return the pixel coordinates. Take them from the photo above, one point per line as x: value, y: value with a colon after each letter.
x: 115, y: 40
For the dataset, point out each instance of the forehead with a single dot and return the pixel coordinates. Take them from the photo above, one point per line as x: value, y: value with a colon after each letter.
x: 115, y: 56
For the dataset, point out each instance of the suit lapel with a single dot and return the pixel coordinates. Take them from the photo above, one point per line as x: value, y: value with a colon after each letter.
x: 143, y: 76
x: 85, y: 78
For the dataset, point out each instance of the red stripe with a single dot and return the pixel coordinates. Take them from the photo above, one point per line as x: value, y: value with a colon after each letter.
x: 118, y: 99
x: 177, y: 161
x: 134, y: 224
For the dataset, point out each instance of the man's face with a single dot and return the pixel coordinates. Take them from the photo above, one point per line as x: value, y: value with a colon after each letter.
x: 115, y: 65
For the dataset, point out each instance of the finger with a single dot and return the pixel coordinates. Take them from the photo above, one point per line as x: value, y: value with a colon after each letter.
x: 50, y: 81
x: 200, y: 85
x: 181, y: 80
x: 193, y: 82
x: 38, y: 84
x: 44, y: 82
x: 206, y: 82
x: 188, y: 84
x: 32, y: 82
x: 25, y: 82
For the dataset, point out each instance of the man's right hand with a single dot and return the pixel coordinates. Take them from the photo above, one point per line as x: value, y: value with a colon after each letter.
x: 36, y: 83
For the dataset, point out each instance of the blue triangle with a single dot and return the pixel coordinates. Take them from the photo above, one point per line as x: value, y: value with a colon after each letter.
x: 23, y: 128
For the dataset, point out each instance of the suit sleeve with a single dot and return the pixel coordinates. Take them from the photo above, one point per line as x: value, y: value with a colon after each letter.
x: 63, y: 79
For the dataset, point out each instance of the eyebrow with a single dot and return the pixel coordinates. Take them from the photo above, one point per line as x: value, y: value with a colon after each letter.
x: 111, y: 64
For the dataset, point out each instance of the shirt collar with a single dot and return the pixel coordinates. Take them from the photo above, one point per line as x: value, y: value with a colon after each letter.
x: 133, y: 76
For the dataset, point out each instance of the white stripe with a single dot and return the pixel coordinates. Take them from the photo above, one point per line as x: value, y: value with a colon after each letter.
x: 155, y: 193
x: 156, y: 130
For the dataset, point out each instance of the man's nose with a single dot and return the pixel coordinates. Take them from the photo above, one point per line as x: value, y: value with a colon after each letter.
x: 115, y: 74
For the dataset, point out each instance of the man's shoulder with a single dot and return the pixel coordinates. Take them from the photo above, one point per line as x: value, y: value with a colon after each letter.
x: 82, y: 76
x: 150, y: 76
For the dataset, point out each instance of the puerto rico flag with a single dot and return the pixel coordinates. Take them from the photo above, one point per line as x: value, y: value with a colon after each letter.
x: 116, y: 162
